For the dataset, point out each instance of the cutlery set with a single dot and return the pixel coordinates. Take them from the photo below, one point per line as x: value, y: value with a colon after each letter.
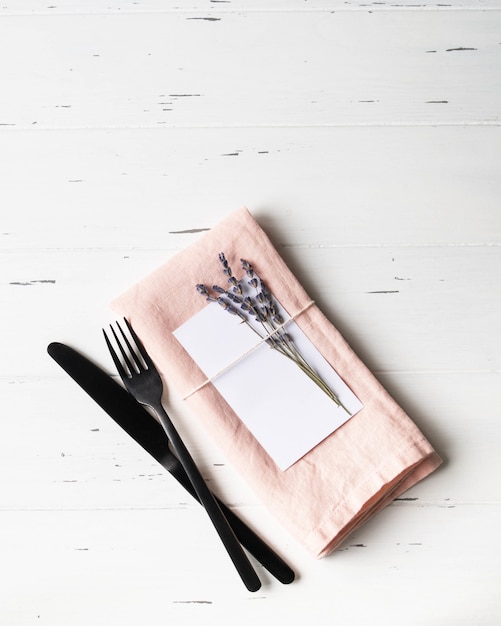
x: 143, y: 386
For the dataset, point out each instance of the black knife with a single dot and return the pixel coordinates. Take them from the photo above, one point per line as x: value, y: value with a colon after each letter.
x: 148, y: 433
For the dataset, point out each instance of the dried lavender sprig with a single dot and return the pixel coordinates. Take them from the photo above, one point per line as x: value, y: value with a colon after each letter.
x: 230, y: 308
x: 283, y: 342
x: 278, y: 338
x: 271, y: 315
x: 228, y: 272
x: 246, y: 304
x: 265, y: 311
x: 203, y: 290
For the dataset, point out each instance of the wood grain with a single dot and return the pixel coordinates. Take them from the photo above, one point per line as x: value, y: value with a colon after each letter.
x: 400, y: 68
x: 365, y: 138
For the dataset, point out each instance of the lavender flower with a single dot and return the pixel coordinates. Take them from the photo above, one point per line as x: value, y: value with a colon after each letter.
x: 260, y: 313
x: 229, y: 308
x: 202, y: 289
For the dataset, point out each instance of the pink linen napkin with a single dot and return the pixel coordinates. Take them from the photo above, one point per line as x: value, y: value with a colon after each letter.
x: 350, y: 475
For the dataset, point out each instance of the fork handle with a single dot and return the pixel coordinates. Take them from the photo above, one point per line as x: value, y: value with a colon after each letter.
x: 276, y: 566
x: 206, y: 497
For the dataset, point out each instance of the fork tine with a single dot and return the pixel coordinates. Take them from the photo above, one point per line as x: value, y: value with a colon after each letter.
x: 118, y: 364
x: 139, y: 344
x: 132, y: 351
x: 133, y: 365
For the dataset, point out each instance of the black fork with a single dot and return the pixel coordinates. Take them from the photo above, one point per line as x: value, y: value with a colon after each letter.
x: 142, y: 380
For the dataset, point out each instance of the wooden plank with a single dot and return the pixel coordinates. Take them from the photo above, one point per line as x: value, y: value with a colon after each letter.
x: 211, y: 8
x: 429, y: 67
x: 208, y: 8
x: 415, y: 309
x: 129, y: 567
x: 147, y: 189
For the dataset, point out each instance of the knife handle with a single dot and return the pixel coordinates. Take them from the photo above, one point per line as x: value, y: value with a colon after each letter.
x: 256, y: 546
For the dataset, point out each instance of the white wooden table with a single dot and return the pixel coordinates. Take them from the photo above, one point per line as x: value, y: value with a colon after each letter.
x: 365, y: 138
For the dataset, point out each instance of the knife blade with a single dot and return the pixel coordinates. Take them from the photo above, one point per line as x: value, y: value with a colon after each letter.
x: 150, y: 435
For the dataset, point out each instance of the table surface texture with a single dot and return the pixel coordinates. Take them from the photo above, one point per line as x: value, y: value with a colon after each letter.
x: 365, y: 138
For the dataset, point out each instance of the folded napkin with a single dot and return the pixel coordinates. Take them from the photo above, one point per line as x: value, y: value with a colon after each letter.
x: 355, y: 471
